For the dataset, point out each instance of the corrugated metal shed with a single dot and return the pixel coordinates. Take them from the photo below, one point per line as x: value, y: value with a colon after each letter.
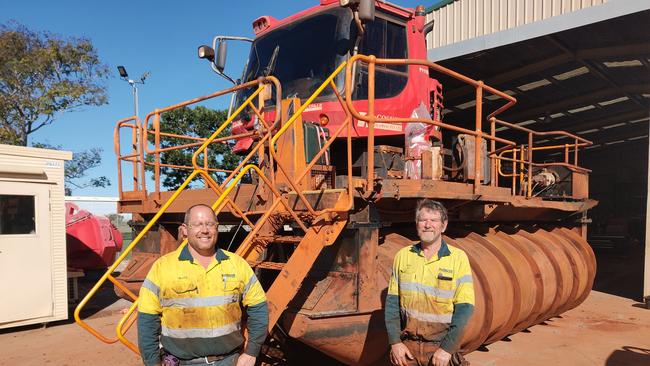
x: 578, y: 66
x: 32, y: 236
x: 473, y: 25
x: 464, y: 19
x: 591, y: 79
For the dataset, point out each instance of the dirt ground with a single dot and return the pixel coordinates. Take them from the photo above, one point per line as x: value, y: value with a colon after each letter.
x: 605, y: 330
x: 611, y: 328
x: 66, y: 344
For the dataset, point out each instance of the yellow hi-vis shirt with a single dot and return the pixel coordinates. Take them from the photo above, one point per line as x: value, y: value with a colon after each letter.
x: 429, y: 289
x: 200, y: 309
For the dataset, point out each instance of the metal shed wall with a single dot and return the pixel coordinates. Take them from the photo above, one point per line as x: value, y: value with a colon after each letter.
x: 465, y: 19
x: 19, y: 165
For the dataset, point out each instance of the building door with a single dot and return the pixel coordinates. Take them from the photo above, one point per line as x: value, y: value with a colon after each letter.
x: 25, y: 252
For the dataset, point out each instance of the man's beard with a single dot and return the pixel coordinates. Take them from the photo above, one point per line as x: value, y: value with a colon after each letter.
x: 428, y: 236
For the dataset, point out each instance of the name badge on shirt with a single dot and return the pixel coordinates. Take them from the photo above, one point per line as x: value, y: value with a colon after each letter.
x: 229, y: 283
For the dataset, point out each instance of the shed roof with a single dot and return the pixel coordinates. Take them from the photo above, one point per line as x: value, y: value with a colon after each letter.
x: 592, y: 79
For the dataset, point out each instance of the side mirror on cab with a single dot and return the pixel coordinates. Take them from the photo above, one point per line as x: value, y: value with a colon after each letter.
x: 207, y: 53
x: 220, y: 61
x: 365, y: 8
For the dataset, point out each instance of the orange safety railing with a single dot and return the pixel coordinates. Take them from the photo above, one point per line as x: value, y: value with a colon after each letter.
x: 132, y: 123
x: 301, y: 175
x: 128, y: 321
x: 231, y: 181
x: 370, y: 118
x: 196, y: 141
x: 528, y: 149
x: 141, y: 132
x: 224, y: 190
x: 347, y: 124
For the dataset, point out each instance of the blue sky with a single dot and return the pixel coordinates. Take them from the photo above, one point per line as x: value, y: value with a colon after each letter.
x: 156, y: 36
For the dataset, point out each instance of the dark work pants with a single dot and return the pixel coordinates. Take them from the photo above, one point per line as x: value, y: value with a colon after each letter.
x: 423, y: 354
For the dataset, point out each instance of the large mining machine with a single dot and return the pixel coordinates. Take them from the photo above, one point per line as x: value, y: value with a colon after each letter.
x: 339, y: 120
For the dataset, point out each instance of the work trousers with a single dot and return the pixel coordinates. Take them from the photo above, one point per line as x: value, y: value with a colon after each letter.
x: 423, y: 353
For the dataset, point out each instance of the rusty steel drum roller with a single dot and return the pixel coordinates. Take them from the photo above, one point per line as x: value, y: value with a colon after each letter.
x: 522, y: 276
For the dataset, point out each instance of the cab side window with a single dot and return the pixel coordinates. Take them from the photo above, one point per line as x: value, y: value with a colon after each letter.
x: 383, y: 39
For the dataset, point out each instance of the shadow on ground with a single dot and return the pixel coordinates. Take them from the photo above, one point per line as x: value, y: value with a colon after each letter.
x: 629, y: 356
x: 620, y: 272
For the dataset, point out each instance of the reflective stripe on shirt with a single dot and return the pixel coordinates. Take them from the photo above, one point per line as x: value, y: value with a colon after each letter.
x: 151, y: 287
x: 464, y: 279
x: 199, y: 302
x: 427, y: 290
x: 201, y: 332
x: 250, y: 283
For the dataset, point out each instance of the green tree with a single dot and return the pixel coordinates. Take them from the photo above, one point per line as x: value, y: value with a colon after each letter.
x: 76, y: 170
x: 42, y: 75
x: 195, y: 122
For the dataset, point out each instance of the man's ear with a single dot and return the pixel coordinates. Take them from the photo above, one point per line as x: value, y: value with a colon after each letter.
x: 183, y: 230
x: 444, y: 226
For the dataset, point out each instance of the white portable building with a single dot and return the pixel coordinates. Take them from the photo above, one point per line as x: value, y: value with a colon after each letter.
x: 33, y: 273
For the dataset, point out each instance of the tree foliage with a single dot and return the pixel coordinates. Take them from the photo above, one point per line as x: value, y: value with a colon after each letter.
x: 196, y: 122
x: 118, y: 220
x: 76, y: 170
x: 42, y: 74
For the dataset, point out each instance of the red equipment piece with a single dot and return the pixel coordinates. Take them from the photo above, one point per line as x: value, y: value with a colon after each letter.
x: 92, y: 241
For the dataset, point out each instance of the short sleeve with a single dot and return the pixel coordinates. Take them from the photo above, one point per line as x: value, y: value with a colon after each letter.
x: 464, y: 281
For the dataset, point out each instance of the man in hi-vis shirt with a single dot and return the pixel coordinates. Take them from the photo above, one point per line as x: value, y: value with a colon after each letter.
x: 192, y: 298
x: 430, y: 295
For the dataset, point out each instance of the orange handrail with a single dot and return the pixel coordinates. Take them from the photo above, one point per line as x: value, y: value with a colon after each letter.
x: 530, y: 148
x: 229, y: 184
x: 141, y: 148
x: 371, y: 119
x: 156, y: 122
x: 108, y: 274
x: 494, y: 154
x: 135, y: 154
x: 346, y: 123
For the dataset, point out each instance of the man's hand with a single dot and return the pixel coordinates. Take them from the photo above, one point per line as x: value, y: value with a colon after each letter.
x: 399, y: 354
x: 441, y: 357
x: 246, y: 360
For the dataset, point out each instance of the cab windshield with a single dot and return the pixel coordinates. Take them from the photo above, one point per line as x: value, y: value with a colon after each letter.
x: 302, y: 54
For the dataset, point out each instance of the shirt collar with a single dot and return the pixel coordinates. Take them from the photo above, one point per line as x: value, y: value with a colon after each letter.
x: 442, y: 252
x: 185, y: 254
